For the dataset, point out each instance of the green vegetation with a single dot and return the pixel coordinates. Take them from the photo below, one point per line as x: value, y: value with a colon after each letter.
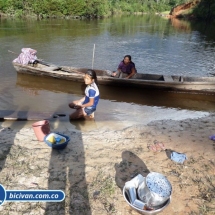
x: 205, y: 10
x: 201, y: 10
x: 82, y: 8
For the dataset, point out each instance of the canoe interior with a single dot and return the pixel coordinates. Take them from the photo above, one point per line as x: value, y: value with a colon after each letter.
x: 149, y: 77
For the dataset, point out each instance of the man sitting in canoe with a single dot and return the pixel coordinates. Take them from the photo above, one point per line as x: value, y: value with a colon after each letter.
x: 126, y: 68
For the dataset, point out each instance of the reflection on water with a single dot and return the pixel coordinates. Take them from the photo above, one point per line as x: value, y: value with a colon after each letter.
x: 181, y: 25
x: 117, y: 94
x: 118, y: 107
x: 157, y: 45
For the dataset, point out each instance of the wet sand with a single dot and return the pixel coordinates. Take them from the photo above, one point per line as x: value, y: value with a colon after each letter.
x: 95, y: 165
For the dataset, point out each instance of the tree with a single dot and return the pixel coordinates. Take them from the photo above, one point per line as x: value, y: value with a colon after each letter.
x: 205, y: 10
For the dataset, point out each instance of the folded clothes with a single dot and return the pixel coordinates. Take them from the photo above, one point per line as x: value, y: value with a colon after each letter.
x: 178, y: 157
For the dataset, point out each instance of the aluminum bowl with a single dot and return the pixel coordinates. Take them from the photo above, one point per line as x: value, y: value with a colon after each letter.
x: 155, y: 190
x: 156, y: 211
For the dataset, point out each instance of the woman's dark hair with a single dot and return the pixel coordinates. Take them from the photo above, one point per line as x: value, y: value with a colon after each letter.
x: 128, y: 56
x: 92, y: 74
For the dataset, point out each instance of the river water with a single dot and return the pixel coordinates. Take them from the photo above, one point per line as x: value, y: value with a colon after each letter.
x: 157, y: 45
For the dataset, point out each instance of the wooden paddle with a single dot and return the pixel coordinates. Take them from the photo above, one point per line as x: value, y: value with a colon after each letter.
x: 28, y: 115
x: 12, y: 52
x: 41, y: 60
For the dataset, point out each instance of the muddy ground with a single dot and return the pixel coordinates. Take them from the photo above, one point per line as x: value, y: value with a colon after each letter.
x: 94, y: 166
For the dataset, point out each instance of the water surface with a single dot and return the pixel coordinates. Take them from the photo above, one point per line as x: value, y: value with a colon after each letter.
x: 156, y: 45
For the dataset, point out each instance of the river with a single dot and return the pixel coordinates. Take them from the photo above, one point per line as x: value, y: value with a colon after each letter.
x: 157, y: 45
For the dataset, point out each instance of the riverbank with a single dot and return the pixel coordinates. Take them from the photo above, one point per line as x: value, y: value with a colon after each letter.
x: 78, y: 17
x: 95, y: 165
x: 91, y: 9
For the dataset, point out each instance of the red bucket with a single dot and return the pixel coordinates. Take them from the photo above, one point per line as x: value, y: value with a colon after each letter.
x: 41, y: 129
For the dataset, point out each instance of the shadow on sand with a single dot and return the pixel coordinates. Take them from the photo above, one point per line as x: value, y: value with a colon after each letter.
x: 130, y: 166
x: 8, y: 137
x: 67, y: 173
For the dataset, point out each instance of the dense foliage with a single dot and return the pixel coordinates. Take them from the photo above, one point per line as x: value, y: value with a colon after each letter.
x: 205, y: 10
x: 87, y: 8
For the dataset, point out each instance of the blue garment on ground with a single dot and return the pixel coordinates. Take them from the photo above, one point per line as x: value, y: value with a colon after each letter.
x: 178, y: 157
x: 212, y: 137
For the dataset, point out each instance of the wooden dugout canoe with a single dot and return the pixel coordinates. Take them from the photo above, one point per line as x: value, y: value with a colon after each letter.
x: 154, y: 81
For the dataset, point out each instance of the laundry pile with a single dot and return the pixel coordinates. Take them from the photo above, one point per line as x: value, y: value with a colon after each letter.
x: 28, y: 56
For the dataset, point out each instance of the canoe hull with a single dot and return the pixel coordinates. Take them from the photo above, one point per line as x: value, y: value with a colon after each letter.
x: 175, y: 83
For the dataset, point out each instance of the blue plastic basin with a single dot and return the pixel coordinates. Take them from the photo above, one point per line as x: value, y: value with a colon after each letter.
x: 56, y: 145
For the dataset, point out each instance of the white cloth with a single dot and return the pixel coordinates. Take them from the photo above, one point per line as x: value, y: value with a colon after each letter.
x: 28, y: 55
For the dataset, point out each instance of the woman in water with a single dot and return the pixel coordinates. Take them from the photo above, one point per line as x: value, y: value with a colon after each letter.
x: 87, y: 105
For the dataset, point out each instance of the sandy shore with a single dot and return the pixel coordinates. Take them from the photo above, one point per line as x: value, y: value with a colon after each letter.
x: 95, y: 165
